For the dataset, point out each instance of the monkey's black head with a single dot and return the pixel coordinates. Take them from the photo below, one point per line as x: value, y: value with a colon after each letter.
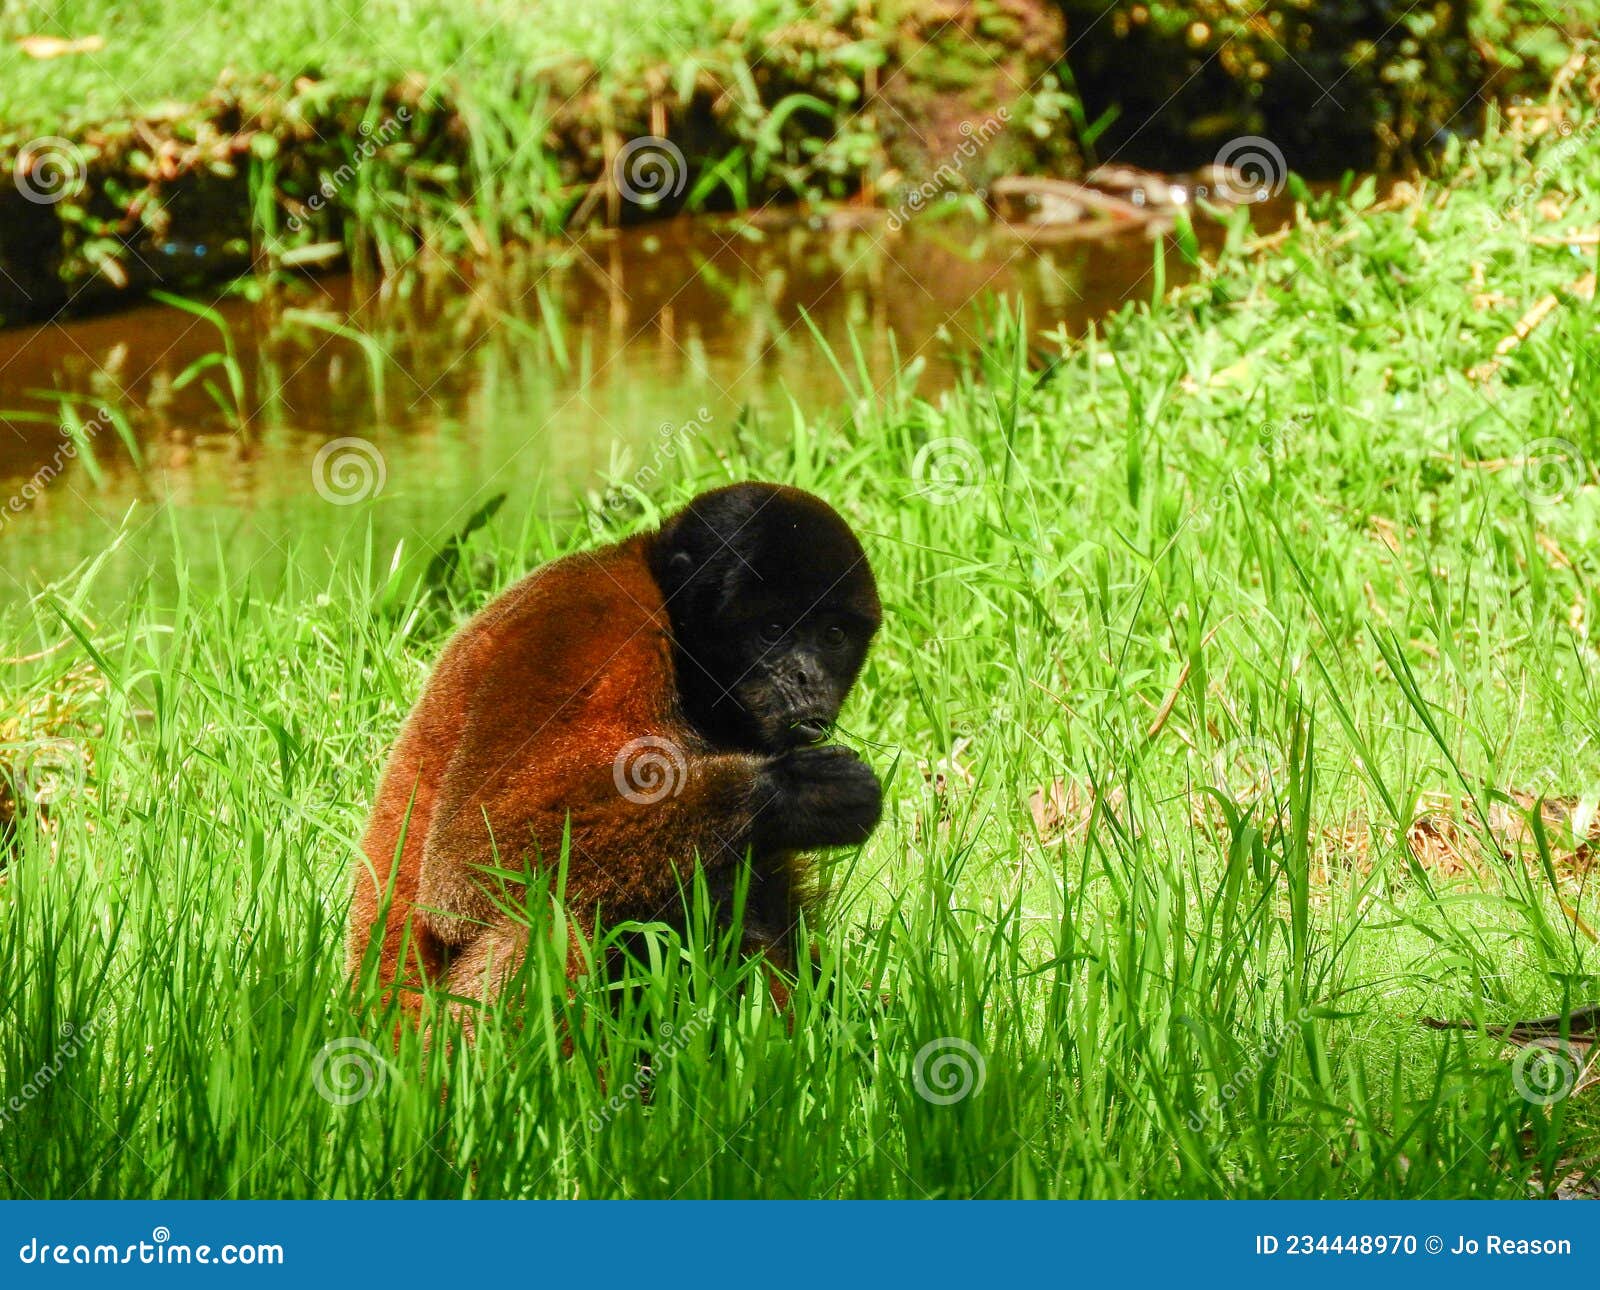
x: 772, y: 606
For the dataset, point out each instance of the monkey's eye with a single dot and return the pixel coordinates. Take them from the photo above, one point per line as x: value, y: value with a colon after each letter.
x: 833, y: 637
x: 772, y: 633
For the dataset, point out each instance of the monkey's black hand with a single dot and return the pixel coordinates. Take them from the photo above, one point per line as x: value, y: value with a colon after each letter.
x: 817, y: 797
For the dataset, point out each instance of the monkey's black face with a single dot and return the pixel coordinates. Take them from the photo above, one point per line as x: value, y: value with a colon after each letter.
x: 772, y: 607
x: 788, y: 676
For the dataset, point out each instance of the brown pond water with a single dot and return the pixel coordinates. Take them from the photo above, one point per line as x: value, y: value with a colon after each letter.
x: 534, y: 379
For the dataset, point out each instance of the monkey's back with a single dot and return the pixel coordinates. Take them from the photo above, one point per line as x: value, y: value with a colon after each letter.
x: 575, y: 656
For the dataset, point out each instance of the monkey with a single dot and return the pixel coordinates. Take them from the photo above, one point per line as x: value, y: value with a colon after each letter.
x: 653, y: 705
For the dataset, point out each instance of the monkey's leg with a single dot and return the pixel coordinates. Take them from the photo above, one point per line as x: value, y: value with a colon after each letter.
x: 480, y: 972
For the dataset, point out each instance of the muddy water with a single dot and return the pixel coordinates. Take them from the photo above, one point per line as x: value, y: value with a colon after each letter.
x: 534, y: 379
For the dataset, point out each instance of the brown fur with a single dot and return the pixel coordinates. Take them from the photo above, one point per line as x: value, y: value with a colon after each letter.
x: 535, y: 713
x: 520, y: 726
x: 530, y: 729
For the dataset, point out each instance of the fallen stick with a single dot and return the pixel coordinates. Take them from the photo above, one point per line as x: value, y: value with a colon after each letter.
x: 1583, y: 289
x: 1583, y: 1021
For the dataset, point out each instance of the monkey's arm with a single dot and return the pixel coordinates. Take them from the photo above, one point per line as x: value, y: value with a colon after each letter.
x: 631, y: 843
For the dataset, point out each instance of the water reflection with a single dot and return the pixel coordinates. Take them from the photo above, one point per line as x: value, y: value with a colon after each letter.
x: 532, y: 376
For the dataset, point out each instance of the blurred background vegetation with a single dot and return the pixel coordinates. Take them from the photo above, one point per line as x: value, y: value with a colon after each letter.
x: 200, y: 139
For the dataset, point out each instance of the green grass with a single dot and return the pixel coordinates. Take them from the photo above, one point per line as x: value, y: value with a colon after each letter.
x: 1276, y: 499
x: 488, y: 44
x: 383, y: 128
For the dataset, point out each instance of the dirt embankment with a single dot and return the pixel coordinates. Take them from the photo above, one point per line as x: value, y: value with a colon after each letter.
x: 263, y: 173
x: 892, y: 103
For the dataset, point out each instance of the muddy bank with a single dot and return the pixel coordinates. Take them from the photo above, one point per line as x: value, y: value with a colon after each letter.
x: 285, y: 175
x: 539, y: 376
x: 887, y: 104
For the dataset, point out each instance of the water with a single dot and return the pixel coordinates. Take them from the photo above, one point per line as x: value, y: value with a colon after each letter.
x: 534, y: 379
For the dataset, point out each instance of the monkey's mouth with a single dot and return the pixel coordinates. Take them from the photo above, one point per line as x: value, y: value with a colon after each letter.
x: 809, y: 730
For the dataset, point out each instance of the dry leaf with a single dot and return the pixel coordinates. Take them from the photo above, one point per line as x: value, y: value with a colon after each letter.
x: 1582, y: 289
x: 55, y: 47
x: 948, y: 771
x: 1442, y: 845
x: 1061, y: 812
x: 1576, y: 1184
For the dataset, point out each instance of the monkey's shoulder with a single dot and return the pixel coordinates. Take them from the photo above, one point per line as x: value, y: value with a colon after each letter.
x: 587, y: 628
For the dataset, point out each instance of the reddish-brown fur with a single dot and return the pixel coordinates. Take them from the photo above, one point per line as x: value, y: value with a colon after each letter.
x: 518, y: 731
